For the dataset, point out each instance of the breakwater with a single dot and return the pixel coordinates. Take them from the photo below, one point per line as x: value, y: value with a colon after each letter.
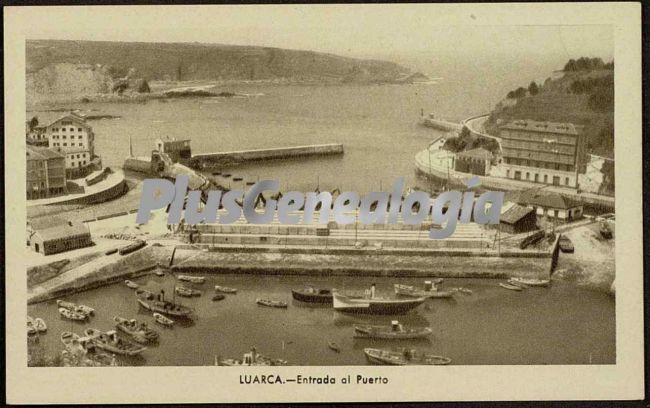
x: 237, y: 157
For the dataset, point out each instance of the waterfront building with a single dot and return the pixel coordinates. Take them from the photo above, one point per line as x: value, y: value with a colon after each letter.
x: 71, y: 132
x: 551, y: 204
x: 52, y: 235
x: 45, y: 173
x: 516, y: 218
x: 36, y: 136
x: 476, y: 161
x: 179, y: 151
x: 78, y: 162
x: 542, y: 152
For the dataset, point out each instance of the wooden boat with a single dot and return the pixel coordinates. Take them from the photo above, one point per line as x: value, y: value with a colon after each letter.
x: 531, y: 282
x: 313, y: 295
x: 237, y: 178
x: 192, y: 279
x: 395, y: 332
x: 165, y: 321
x: 109, y: 341
x: 605, y: 230
x: 429, y: 291
x: 333, y: 346
x: 159, y: 272
x: 138, y: 244
x: 373, y: 305
x: 144, y: 294
x: 251, y: 358
x: 31, y: 327
x: 565, y: 244
x: 404, y: 357
x: 71, y: 314
x: 515, y: 283
x: 464, y: 291
x: 509, y: 286
x: 111, y: 251
x: 131, y: 284
x: 76, y: 344
x: 166, y: 308
x: 217, y: 297
x: 271, y: 303
x: 224, y: 289
x: 40, y: 325
x: 139, y: 332
x: 186, y: 292
x: 87, y: 310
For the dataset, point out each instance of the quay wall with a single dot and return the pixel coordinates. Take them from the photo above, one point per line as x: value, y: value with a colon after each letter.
x: 138, y: 164
x: 229, y: 158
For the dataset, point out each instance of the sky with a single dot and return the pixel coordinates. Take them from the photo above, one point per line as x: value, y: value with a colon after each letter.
x: 395, y: 32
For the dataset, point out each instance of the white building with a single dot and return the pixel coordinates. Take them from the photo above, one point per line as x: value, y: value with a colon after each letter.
x: 71, y: 132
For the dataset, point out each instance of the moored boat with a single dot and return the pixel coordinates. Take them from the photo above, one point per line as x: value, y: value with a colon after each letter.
x: 144, y: 294
x: 140, y: 332
x: 464, y: 291
x: 395, y: 331
x: 160, y: 319
x: 605, y: 230
x: 192, y: 279
x: 531, y: 282
x: 218, y: 297
x: 515, y: 283
x: 510, y: 286
x: 76, y: 344
x: 138, y: 244
x: 429, y: 291
x: 83, y: 309
x: 333, y: 346
x: 40, y: 325
x: 404, y: 357
x: 109, y: 341
x: 313, y: 295
x: 373, y: 305
x: 71, y: 314
x: 224, y: 289
x: 131, y: 284
x: 186, y: 292
x: 271, y: 303
x: 165, y: 307
x: 251, y: 358
x: 159, y: 272
x: 31, y: 326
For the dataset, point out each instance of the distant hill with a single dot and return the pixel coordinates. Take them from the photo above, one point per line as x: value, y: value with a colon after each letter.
x: 194, y: 61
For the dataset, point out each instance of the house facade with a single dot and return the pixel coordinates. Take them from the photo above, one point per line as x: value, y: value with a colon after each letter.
x: 53, y: 235
x: 552, y: 205
x: 475, y: 161
x: 46, y: 176
x: 73, y: 137
x: 179, y: 151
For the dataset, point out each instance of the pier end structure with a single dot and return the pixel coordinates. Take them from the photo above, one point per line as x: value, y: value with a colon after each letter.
x: 203, y: 160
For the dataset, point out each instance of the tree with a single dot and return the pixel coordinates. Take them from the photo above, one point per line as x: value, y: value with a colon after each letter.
x: 533, y: 89
x: 33, y: 123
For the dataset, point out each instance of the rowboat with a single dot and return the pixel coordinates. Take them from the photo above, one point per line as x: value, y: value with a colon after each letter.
x: 395, y: 331
x: 131, y: 284
x: 31, y: 326
x: 87, y: 310
x: 333, y: 346
x: 532, y: 282
x: 159, y: 272
x: 192, y: 279
x: 165, y: 307
x: 404, y: 357
x: 224, y: 289
x: 605, y: 230
x: 186, y: 292
x: 313, y: 295
x: 515, y: 283
x: 509, y: 286
x: 144, y: 294
x: 40, y: 325
x: 109, y: 341
x: 429, y: 291
x: 251, y: 358
x: 76, y: 344
x: 70, y: 314
x: 373, y: 305
x: 464, y: 291
x: 139, y: 332
x: 217, y: 297
x: 271, y: 303
x: 165, y: 321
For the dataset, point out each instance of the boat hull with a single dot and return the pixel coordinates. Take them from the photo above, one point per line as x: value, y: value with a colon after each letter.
x: 346, y: 304
x: 176, y: 312
x: 312, y: 297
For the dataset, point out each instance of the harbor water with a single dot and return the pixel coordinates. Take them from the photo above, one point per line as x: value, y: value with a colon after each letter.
x: 561, y: 324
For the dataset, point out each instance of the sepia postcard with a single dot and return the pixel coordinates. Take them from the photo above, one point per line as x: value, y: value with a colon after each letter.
x: 303, y: 203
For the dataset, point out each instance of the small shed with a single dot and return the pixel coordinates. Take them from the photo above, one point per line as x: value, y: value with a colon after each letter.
x: 516, y: 218
x: 54, y: 235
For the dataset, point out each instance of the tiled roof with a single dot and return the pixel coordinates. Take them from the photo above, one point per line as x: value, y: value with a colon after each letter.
x: 515, y: 213
x: 72, y: 116
x: 546, y: 127
x: 42, y: 153
x: 66, y: 230
x: 546, y: 199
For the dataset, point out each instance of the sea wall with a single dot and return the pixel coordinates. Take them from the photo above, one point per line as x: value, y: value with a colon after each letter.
x: 138, y: 164
x: 230, y: 158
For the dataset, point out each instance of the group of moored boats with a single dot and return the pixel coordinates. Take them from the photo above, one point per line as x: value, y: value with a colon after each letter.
x: 519, y: 284
x: 35, y: 326
x: 73, y: 311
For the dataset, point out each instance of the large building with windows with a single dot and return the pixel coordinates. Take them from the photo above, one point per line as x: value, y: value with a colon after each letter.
x: 46, y: 176
x: 73, y: 137
x: 542, y: 152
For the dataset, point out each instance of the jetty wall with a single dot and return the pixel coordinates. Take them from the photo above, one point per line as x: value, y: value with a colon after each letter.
x: 138, y: 164
x: 235, y: 157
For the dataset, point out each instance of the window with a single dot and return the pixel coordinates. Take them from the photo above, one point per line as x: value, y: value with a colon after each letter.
x: 64, y: 136
x: 71, y: 144
x: 79, y: 137
x: 507, y: 173
x: 84, y: 162
x: 566, y: 181
x: 527, y: 175
x: 65, y: 144
x: 545, y: 178
x: 62, y: 129
x: 79, y: 130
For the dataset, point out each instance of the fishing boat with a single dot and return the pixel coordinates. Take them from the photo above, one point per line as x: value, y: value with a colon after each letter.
x: 165, y: 307
x: 404, y: 357
x: 429, y: 291
x: 224, y: 289
x: 464, y: 291
x: 131, y: 284
x: 109, y: 341
x: 333, y: 346
x: 510, y: 286
x: 71, y: 314
x: 395, y: 331
x: 165, y: 321
x: 40, y: 325
x: 144, y: 294
x: 271, y: 303
x: 373, y: 305
x: 531, y: 282
x: 140, y: 332
x: 565, y: 244
x: 251, y: 358
x: 192, y: 279
x: 138, y: 244
x: 31, y: 327
x: 87, y: 310
x: 605, y: 230
x: 186, y: 292
x: 515, y: 283
x: 313, y: 295
x: 218, y: 297
x: 76, y: 344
